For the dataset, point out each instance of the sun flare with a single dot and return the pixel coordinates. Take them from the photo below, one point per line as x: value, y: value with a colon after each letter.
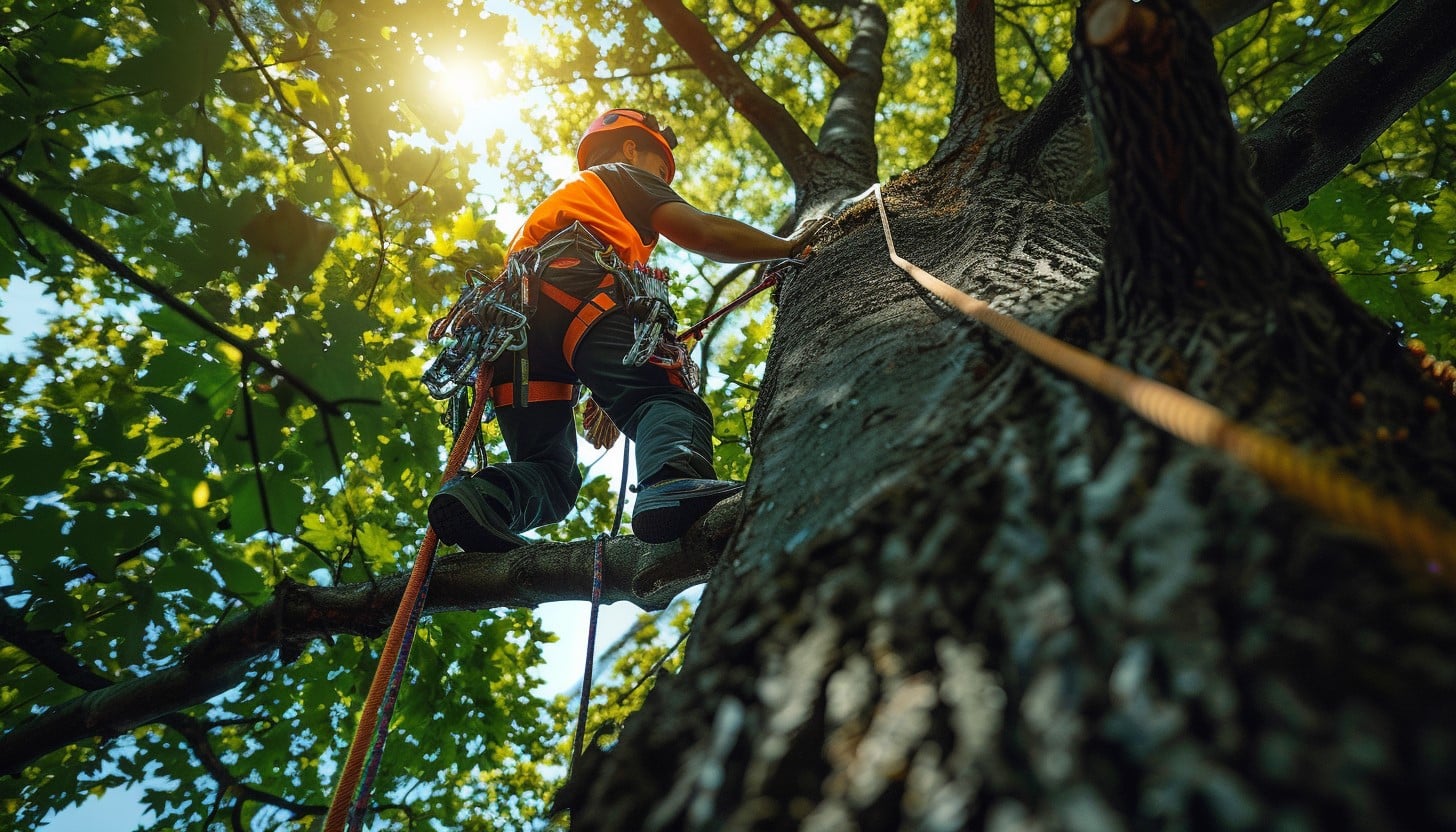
x: 467, y: 85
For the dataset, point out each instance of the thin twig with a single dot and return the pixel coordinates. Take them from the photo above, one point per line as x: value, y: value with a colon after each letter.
x: 194, y: 733
x: 24, y: 240
x: 251, y: 426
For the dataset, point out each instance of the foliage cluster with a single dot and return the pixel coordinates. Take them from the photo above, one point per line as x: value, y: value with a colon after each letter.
x: 286, y: 172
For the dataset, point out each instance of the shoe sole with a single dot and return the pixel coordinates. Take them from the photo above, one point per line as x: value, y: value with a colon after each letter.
x: 670, y: 521
x: 455, y: 526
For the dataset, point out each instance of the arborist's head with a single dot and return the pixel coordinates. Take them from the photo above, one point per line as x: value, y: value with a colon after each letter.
x: 606, y: 137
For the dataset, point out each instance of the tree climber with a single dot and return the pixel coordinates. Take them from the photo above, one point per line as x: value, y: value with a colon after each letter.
x: 617, y: 204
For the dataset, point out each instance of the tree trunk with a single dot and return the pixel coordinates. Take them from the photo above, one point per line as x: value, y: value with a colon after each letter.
x: 969, y: 592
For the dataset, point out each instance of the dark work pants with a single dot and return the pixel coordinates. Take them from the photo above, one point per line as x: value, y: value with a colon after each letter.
x: 670, y: 426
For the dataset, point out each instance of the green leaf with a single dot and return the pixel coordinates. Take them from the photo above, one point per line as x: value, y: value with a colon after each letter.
x: 285, y: 504
x: 69, y: 38
x: 40, y: 463
x: 109, y: 173
x: 183, y: 572
x: 33, y: 535
x: 98, y: 537
x: 176, y: 369
x: 240, y: 578
x: 55, y: 614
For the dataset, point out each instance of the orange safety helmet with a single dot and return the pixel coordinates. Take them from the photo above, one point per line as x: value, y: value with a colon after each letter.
x: 623, y: 118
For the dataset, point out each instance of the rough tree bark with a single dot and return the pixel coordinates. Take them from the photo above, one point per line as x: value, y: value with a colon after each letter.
x: 970, y: 593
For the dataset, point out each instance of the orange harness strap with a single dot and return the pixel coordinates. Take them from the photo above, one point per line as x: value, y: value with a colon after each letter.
x: 586, y: 313
x: 504, y: 395
x: 585, y: 317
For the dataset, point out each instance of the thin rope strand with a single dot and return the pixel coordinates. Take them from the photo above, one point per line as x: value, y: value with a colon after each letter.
x: 598, y: 559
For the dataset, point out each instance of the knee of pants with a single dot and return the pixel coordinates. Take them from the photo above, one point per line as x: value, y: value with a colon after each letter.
x: 562, y: 499
x: 674, y: 403
x: 540, y: 493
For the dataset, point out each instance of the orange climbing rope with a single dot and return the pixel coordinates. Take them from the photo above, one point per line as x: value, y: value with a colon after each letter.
x: 349, y: 774
x: 1428, y: 539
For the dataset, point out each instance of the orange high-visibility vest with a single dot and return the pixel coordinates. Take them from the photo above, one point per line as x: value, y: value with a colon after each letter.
x: 584, y: 198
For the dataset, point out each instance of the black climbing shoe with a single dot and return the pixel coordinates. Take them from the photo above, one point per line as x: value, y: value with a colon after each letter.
x: 666, y: 509
x: 470, y: 512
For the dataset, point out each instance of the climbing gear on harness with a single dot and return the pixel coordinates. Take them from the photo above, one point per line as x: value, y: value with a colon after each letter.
x: 493, y: 317
x: 457, y: 415
x: 470, y: 512
x: 626, y: 118
x: 643, y: 292
x: 490, y: 318
x: 666, y: 509
x: 1429, y: 539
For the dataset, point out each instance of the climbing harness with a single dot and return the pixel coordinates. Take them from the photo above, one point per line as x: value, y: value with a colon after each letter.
x: 1340, y: 497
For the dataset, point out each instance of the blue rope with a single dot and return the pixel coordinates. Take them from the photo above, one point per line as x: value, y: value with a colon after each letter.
x: 360, y: 807
x: 598, y: 559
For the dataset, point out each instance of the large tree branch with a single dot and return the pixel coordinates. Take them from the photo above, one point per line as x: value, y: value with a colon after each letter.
x: 848, y: 159
x: 648, y: 576
x: 849, y: 123
x: 772, y: 120
x: 977, y: 95
x: 1385, y: 70
x: 52, y: 219
x: 45, y: 647
x: 1064, y: 104
x: 759, y: 32
x: 812, y: 40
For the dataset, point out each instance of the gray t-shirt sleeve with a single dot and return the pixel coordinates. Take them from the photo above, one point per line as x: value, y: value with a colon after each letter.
x: 638, y: 194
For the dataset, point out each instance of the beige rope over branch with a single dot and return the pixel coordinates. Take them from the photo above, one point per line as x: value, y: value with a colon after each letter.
x: 1427, y: 542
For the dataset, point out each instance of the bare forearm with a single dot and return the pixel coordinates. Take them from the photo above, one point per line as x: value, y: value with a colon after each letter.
x: 717, y: 237
x: 730, y: 241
